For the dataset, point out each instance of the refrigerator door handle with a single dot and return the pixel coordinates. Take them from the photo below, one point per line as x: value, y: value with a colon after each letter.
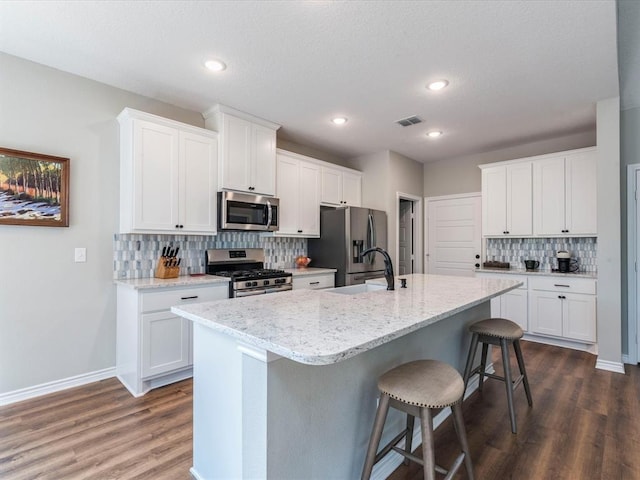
x: 372, y: 237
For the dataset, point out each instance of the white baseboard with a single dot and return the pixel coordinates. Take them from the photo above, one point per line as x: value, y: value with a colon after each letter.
x: 55, y: 386
x: 617, y: 367
x: 565, y: 343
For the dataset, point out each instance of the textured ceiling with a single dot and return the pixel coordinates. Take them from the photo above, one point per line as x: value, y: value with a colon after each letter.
x: 518, y: 70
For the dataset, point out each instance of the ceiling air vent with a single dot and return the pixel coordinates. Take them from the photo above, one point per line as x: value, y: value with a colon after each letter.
x: 406, y: 122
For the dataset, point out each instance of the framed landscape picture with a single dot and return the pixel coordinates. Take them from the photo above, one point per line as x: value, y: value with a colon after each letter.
x: 34, y: 189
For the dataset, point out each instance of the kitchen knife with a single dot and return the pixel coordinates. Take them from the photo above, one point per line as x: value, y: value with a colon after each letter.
x: 175, y: 254
x: 164, y: 251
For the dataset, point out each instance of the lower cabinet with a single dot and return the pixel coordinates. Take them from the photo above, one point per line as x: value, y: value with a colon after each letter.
x: 551, y: 306
x: 154, y: 345
x: 315, y: 281
x: 564, y: 308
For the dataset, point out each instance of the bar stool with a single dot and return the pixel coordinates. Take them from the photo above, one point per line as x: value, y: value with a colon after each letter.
x: 416, y: 388
x: 500, y: 332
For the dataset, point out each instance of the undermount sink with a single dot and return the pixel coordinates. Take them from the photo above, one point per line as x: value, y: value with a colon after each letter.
x: 355, y: 289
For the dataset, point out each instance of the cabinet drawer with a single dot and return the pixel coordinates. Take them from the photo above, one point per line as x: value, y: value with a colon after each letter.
x: 314, y: 282
x: 164, y: 298
x: 501, y: 276
x: 564, y: 284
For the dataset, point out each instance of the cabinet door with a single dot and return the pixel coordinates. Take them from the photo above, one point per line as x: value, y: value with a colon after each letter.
x: 545, y: 313
x: 494, y: 194
x: 198, y: 165
x: 581, y: 193
x: 165, y: 343
x: 263, y: 161
x: 288, y: 188
x: 155, y: 183
x: 579, y: 317
x: 236, y: 153
x: 331, y: 186
x: 549, y: 188
x: 513, y: 306
x: 519, y: 200
x: 351, y: 189
x: 313, y: 282
x: 309, y: 199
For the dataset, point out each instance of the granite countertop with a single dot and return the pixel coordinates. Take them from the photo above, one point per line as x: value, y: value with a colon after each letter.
x: 318, y: 327
x: 548, y: 273
x: 309, y: 271
x: 183, y: 281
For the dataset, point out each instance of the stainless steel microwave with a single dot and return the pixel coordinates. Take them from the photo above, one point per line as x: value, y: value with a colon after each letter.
x: 245, y: 211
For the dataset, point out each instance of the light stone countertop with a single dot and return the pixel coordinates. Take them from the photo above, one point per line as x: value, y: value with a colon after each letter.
x: 547, y: 273
x: 183, y: 281
x: 309, y: 271
x: 318, y: 327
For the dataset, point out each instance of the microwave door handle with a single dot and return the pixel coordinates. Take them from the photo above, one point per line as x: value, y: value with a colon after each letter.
x: 269, y: 215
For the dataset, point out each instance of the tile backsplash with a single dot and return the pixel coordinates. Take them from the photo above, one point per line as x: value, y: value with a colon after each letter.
x: 516, y: 250
x: 136, y: 255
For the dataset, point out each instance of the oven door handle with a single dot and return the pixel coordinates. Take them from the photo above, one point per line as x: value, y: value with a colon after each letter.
x: 249, y: 293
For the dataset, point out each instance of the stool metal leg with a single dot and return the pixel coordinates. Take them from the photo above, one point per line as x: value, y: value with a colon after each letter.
x: 508, y: 382
x: 523, y: 372
x: 483, y: 365
x: 408, y: 440
x: 458, y: 423
x: 428, y: 455
x: 376, y: 434
x: 473, y: 346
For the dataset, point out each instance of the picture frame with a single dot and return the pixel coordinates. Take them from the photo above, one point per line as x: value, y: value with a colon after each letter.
x: 34, y: 189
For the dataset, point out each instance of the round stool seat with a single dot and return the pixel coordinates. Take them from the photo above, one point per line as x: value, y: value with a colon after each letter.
x: 497, y: 327
x: 424, y: 383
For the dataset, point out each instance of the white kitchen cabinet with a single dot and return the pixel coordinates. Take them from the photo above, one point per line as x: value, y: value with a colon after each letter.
x: 563, y: 307
x: 565, y: 195
x: 512, y: 305
x: 168, y: 176
x: 314, y: 281
x: 507, y: 200
x: 298, y: 188
x: 247, y: 150
x: 154, y: 345
x: 341, y: 187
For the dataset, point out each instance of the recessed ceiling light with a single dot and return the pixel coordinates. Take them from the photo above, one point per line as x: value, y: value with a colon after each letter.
x: 215, y: 65
x: 339, y: 120
x: 434, y: 134
x: 438, y: 85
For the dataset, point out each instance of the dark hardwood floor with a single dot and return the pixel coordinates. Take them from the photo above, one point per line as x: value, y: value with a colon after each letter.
x: 584, y: 424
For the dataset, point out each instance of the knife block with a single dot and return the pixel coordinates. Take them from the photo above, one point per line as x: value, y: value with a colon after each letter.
x: 166, y: 272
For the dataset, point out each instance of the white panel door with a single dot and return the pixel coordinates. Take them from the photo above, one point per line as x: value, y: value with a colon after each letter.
x: 165, y: 343
x: 331, y: 186
x: 519, y: 200
x: 494, y: 194
x: 288, y: 192
x: 351, y: 189
x: 545, y: 313
x: 263, y: 161
x: 579, y: 317
x: 453, y: 235
x: 514, y: 307
x: 309, y: 199
x: 236, y: 154
x: 549, y: 188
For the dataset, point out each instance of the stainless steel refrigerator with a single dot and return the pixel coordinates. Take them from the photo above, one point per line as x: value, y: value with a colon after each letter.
x: 344, y: 234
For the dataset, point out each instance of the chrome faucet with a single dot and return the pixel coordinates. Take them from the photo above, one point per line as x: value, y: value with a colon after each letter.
x: 388, y: 266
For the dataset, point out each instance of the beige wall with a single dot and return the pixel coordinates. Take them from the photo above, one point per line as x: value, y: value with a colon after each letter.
x: 57, y: 317
x: 462, y: 175
x: 310, y: 152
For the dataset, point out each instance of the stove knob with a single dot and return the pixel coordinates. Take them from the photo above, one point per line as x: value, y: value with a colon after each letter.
x: 254, y: 284
x: 248, y: 284
x: 265, y: 282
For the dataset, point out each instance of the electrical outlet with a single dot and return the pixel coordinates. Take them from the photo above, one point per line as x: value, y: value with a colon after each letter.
x: 80, y: 255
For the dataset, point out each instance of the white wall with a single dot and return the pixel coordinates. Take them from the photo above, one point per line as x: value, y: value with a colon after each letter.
x: 609, y: 244
x: 462, y: 175
x: 57, y: 317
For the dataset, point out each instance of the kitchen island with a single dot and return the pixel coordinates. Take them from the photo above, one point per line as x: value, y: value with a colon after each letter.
x: 285, y: 384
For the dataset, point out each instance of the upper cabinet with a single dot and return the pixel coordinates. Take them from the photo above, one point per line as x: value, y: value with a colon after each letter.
x: 247, y: 160
x: 341, y: 187
x: 545, y: 196
x: 506, y: 200
x: 168, y: 176
x: 298, y: 188
x: 565, y: 195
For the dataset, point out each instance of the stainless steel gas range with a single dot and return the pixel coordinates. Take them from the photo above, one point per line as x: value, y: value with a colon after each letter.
x: 245, y: 268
